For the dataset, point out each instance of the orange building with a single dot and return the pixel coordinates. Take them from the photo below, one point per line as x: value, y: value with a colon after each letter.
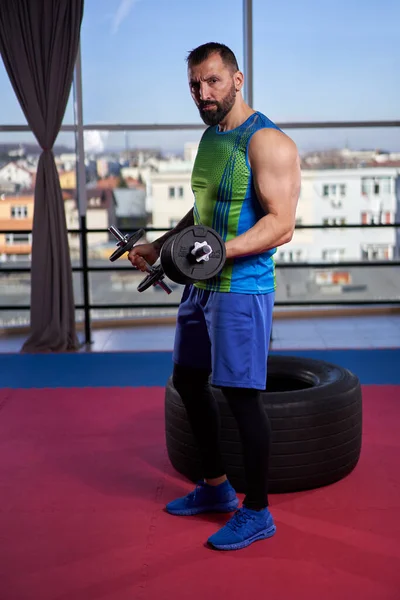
x: 16, y: 213
x: 67, y: 180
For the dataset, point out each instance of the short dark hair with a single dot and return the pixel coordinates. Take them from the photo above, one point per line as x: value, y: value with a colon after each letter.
x: 201, y: 53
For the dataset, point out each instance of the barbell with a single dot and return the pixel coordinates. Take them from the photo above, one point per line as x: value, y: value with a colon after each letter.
x: 196, y: 253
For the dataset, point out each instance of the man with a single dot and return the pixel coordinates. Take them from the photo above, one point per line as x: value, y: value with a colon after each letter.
x: 246, y: 182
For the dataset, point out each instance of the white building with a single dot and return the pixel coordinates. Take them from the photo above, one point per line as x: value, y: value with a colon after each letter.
x: 170, y: 195
x: 66, y: 162
x: 99, y: 215
x: 340, y: 197
x: 16, y: 174
x: 328, y: 197
x: 190, y: 151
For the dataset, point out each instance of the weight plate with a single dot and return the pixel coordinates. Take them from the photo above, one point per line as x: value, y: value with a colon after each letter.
x: 131, y: 241
x: 168, y: 264
x: 186, y: 264
x: 150, y: 280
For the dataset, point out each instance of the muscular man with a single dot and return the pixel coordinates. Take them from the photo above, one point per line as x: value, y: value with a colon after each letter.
x: 246, y: 182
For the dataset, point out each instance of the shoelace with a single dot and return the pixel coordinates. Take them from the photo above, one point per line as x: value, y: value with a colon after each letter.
x: 192, y: 495
x: 241, y: 517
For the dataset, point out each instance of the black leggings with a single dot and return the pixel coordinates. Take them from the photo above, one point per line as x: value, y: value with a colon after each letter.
x: 254, y: 428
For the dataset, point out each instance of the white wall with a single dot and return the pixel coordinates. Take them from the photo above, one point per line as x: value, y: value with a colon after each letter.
x: 15, y: 174
x: 168, y: 210
x: 350, y: 204
x: 96, y: 218
x: 190, y: 151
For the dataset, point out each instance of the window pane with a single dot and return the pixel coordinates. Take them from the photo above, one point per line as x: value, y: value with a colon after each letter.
x: 146, y: 163
x: 11, y: 111
x: 330, y: 64
x: 144, y: 174
x: 129, y: 176
x: 325, y: 175
x: 133, y: 57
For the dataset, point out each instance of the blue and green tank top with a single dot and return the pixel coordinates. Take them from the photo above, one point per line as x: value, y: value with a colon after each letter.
x: 225, y: 199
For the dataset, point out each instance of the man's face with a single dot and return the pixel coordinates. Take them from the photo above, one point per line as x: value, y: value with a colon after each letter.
x: 212, y: 86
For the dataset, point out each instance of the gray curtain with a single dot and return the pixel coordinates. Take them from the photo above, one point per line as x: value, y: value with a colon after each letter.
x: 39, y: 41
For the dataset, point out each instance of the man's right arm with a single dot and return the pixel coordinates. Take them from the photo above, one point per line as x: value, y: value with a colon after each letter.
x: 187, y: 221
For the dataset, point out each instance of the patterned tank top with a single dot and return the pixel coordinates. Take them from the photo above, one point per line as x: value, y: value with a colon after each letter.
x: 225, y: 199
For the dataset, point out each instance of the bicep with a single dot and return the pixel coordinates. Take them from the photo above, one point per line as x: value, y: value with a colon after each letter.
x: 275, y: 164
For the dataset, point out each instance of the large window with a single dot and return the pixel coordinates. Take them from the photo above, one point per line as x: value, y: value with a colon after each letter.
x: 133, y: 58
x: 309, y: 65
x: 330, y: 62
x: 11, y: 112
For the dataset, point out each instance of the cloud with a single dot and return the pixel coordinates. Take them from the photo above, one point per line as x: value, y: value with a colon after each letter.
x: 123, y: 11
x: 95, y: 141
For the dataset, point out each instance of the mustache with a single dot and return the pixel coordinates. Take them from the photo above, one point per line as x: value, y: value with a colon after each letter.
x: 207, y: 103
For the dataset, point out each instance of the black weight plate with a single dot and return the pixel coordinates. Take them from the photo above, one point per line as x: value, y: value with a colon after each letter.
x: 168, y: 264
x: 131, y: 241
x: 186, y: 263
x: 150, y: 280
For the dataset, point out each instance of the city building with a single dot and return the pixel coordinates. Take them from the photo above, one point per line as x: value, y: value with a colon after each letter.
x: 19, y: 175
x: 170, y: 194
x: 16, y: 213
x: 341, y: 197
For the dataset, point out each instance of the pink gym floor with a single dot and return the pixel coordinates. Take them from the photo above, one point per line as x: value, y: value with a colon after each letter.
x: 84, y: 477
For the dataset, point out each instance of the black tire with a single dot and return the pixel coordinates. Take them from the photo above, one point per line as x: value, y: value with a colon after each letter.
x: 315, y: 411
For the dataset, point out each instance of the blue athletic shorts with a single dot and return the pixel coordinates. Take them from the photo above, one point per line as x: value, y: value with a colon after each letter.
x: 226, y: 333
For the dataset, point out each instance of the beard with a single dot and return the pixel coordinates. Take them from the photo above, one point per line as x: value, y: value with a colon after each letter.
x: 216, y: 115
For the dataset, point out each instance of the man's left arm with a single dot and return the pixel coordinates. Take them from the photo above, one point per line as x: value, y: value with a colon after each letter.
x: 275, y: 164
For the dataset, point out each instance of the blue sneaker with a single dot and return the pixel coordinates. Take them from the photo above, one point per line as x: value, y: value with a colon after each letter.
x: 205, y: 498
x: 245, y: 527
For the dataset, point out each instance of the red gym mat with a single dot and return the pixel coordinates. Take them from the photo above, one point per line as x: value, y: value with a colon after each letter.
x: 84, y: 477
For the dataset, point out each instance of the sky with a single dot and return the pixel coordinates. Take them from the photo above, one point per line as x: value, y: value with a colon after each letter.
x: 314, y: 60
